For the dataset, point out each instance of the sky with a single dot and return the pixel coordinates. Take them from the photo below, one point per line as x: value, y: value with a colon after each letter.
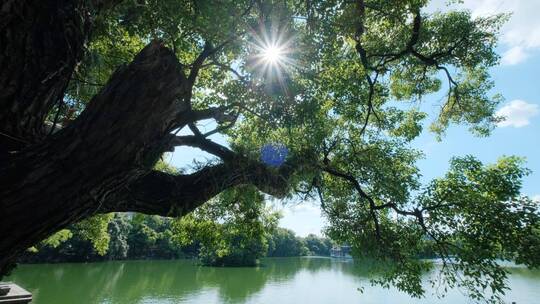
x: 516, y: 78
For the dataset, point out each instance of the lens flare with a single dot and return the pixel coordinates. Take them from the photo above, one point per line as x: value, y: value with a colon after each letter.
x: 274, y: 154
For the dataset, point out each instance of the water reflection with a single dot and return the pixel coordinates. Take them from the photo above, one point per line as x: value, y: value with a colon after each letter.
x: 185, y: 282
x: 134, y: 281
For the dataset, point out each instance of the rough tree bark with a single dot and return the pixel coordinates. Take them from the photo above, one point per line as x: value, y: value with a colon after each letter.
x: 41, y: 43
x: 102, y: 161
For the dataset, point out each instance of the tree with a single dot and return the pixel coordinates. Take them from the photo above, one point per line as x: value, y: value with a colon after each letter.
x: 88, y: 240
x: 231, y: 230
x: 102, y: 160
x: 111, y: 237
x: 157, y: 235
x: 119, y: 228
x: 317, y: 245
x: 310, y: 95
x: 284, y: 243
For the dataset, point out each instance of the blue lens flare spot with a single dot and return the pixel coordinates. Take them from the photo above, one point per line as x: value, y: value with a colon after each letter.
x: 274, y: 154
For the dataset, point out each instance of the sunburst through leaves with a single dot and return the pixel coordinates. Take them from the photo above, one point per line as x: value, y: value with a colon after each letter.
x: 272, y: 55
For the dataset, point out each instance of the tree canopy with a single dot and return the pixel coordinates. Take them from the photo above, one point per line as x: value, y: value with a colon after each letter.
x: 317, y: 100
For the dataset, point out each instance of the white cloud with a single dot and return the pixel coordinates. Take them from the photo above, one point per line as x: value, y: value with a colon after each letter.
x: 520, y: 36
x: 514, y: 56
x: 303, y: 218
x: 517, y: 113
x: 536, y: 198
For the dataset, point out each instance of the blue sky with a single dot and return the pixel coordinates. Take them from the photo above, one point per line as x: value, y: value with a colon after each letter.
x: 516, y: 79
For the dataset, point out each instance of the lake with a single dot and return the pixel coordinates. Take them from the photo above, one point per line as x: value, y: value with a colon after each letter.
x: 279, y: 280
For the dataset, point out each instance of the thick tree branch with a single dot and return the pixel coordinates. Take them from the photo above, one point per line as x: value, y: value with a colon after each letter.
x: 191, y: 116
x: 176, y: 195
x: 207, y: 51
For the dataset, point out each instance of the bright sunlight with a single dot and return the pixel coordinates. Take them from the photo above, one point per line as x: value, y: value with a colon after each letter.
x: 272, y: 54
x: 272, y: 51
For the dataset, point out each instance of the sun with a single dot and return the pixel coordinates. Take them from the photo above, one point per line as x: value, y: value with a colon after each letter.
x: 272, y: 54
x: 272, y: 50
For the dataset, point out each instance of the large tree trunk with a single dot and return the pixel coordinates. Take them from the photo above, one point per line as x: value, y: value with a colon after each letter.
x: 114, y: 141
x: 41, y: 43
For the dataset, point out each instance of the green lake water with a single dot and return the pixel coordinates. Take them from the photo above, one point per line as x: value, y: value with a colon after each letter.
x: 278, y: 280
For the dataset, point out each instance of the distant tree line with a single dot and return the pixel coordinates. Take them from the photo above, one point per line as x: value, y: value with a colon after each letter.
x: 284, y: 242
x: 123, y: 236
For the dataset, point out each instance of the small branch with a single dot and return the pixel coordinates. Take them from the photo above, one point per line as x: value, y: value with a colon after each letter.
x: 208, y: 50
x: 205, y: 145
x: 362, y: 193
x: 222, y: 128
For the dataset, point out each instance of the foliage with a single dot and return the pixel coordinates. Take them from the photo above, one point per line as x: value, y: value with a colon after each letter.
x: 95, y: 230
x: 470, y: 218
x: 231, y: 229
x: 58, y: 238
x: 129, y: 236
x: 317, y: 245
x: 152, y: 237
x: 119, y: 228
x: 283, y: 243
